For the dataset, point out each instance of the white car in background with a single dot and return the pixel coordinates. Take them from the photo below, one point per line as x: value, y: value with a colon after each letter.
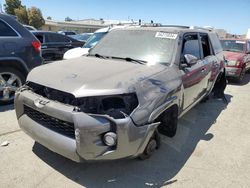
x: 91, y: 42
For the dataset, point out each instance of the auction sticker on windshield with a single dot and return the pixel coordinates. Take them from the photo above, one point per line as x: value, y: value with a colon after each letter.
x: 166, y: 35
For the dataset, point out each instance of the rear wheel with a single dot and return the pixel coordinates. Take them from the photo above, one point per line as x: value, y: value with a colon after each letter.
x: 10, y: 80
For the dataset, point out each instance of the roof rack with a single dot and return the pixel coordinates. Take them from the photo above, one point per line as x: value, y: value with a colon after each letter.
x: 207, y: 28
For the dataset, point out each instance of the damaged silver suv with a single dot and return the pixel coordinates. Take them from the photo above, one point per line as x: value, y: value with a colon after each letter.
x: 114, y: 103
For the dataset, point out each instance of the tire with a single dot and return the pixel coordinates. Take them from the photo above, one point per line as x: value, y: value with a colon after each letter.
x: 169, y: 119
x: 7, y: 90
x: 241, y: 76
x: 153, y: 144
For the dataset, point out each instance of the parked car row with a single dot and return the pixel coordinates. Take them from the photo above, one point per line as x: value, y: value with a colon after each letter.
x: 54, y: 45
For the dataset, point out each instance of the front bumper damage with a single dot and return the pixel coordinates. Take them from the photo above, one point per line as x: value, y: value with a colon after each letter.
x: 233, y: 71
x: 49, y: 125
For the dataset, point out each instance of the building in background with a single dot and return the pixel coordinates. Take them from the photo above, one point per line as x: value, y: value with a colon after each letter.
x: 221, y: 32
x: 248, y: 34
x: 82, y: 26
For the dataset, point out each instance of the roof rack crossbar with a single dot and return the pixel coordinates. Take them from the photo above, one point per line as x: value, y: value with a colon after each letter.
x: 178, y: 26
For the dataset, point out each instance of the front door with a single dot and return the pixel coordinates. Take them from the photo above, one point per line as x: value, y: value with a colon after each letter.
x: 192, y: 75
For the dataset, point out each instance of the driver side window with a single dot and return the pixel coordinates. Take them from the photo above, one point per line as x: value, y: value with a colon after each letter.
x: 191, y: 45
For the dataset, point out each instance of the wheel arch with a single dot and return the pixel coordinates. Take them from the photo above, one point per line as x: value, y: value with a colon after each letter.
x: 15, y: 63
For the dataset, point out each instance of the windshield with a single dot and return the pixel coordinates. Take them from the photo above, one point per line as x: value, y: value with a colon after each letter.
x: 94, y: 39
x: 233, y: 45
x: 149, y: 46
x: 81, y: 37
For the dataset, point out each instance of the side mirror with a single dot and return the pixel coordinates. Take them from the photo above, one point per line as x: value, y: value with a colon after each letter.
x: 190, y: 59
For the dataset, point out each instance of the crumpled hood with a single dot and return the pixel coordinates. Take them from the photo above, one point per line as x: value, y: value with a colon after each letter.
x: 233, y: 55
x: 90, y: 76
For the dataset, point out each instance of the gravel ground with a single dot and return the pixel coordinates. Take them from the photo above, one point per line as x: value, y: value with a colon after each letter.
x: 211, y: 149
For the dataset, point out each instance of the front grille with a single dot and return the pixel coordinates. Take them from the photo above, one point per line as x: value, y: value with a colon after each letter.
x: 54, y: 124
x: 52, y: 94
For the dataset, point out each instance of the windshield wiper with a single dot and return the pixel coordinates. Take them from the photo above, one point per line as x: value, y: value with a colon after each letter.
x: 98, y: 56
x: 129, y: 59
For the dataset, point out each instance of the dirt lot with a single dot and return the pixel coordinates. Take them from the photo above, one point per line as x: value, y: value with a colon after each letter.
x: 211, y: 149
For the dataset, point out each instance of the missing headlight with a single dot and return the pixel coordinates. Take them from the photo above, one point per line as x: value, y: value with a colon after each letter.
x: 117, y: 106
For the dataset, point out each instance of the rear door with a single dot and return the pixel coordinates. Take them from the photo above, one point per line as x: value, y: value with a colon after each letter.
x: 193, y: 76
x: 209, y: 62
x: 10, y: 40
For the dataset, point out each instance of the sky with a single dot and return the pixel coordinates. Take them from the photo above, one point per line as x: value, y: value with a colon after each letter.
x: 231, y: 15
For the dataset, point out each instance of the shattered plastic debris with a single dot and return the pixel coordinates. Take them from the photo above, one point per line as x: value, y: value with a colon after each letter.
x: 149, y: 184
x: 112, y: 180
x: 5, y: 143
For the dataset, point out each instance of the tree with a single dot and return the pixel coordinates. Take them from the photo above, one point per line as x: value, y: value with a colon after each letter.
x: 49, y: 18
x: 35, y: 17
x: 22, y: 15
x: 68, y: 19
x: 11, y: 5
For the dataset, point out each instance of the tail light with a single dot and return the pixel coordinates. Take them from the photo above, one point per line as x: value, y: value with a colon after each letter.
x: 36, y: 45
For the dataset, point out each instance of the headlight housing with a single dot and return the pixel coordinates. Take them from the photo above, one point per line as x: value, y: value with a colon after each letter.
x: 116, y: 106
x: 233, y: 63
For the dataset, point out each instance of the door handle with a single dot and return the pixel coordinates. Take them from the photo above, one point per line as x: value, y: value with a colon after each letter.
x: 44, y: 47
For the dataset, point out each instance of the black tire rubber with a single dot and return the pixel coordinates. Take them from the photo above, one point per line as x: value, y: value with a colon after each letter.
x: 241, y: 76
x: 153, y: 144
x: 18, y: 74
x: 168, y: 126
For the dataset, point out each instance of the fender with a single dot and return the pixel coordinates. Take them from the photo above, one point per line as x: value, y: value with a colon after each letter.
x: 16, y: 59
x: 158, y: 111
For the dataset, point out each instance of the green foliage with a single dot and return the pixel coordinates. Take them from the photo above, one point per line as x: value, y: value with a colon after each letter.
x: 32, y: 16
x: 49, y: 18
x: 22, y: 15
x: 35, y: 17
x: 11, y: 5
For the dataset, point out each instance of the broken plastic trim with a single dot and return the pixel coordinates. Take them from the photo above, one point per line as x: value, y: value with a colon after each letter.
x: 116, y: 106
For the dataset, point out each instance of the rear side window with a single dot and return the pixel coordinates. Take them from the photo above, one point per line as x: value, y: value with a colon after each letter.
x: 215, y: 43
x: 53, y: 37
x: 205, y: 44
x: 191, y: 45
x: 6, y: 31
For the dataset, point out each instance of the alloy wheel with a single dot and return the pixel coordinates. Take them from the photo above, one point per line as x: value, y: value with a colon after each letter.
x: 9, y: 83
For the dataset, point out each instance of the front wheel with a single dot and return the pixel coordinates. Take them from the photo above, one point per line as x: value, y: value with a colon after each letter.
x: 153, y: 144
x: 241, y: 76
x: 10, y: 80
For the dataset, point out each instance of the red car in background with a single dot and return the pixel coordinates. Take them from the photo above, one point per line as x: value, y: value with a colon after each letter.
x: 237, y: 54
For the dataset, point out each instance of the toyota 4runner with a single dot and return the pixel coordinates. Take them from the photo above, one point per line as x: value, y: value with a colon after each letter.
x: 114, y: 103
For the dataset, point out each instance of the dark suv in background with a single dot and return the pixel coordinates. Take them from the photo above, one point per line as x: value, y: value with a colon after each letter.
x: 54, y: 45
x: 20, y: 51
